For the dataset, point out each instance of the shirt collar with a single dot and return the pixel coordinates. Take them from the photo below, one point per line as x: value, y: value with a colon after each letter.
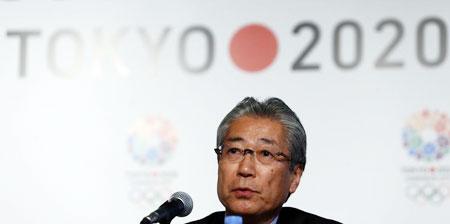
x: 274, y: 221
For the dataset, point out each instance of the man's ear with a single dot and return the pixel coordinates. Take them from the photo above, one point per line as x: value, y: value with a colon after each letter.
x: 296, y: 176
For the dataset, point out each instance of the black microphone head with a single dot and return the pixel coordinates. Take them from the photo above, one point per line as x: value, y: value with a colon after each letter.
x: 186, y: 200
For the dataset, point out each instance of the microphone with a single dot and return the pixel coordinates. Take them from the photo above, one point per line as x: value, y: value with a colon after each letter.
x: 179, y: 204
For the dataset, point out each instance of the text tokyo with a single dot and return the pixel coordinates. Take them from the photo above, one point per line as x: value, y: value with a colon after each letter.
x: 71, y: 52
x: 67, y: 51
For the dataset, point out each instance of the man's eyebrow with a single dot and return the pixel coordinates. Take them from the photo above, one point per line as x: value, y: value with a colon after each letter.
x: 234, y: 139
x: 265, y: 140
x: 268, y: 141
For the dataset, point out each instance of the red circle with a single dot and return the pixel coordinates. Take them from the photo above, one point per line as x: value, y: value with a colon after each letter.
x: 253, y: 48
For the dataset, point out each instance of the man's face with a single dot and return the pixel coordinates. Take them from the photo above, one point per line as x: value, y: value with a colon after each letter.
x: 248, y: 187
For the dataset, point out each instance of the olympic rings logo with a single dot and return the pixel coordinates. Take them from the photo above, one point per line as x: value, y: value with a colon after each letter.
x: 427, y: 192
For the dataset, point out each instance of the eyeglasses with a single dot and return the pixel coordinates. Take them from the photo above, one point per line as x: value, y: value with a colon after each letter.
x: 264, y: 156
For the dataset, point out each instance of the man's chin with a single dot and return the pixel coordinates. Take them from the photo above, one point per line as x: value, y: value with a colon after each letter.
x: 242, y: 207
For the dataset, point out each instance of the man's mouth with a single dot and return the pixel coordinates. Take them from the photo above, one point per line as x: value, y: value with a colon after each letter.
x: 243, y: 192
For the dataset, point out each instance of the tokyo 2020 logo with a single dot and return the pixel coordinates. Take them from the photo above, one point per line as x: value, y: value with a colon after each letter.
x: 427, y: 135
x: 152, y: 141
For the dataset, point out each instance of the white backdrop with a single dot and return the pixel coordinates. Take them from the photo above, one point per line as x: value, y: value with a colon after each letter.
x: 108, y: 107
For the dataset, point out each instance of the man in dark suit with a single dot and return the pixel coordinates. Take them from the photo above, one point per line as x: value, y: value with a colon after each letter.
x: 261, y: 153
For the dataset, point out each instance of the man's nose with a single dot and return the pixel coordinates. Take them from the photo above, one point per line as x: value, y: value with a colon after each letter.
x: 247, y: 166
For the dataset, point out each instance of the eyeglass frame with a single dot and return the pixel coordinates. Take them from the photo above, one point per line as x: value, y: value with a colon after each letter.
x: 275, y: 157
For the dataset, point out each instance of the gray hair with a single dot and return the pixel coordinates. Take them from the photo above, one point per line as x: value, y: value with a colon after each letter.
x: 273, y: 108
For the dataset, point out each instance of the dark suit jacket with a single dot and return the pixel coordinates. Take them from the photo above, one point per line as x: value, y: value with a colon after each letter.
x: 287, y: 216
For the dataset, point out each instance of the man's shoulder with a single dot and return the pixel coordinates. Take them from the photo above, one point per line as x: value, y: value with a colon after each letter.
x: 293, y: 215
x: 216, y: 217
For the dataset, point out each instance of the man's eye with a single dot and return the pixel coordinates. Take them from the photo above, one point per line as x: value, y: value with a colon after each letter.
x: 233, y: 150
x: 266, y: 153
